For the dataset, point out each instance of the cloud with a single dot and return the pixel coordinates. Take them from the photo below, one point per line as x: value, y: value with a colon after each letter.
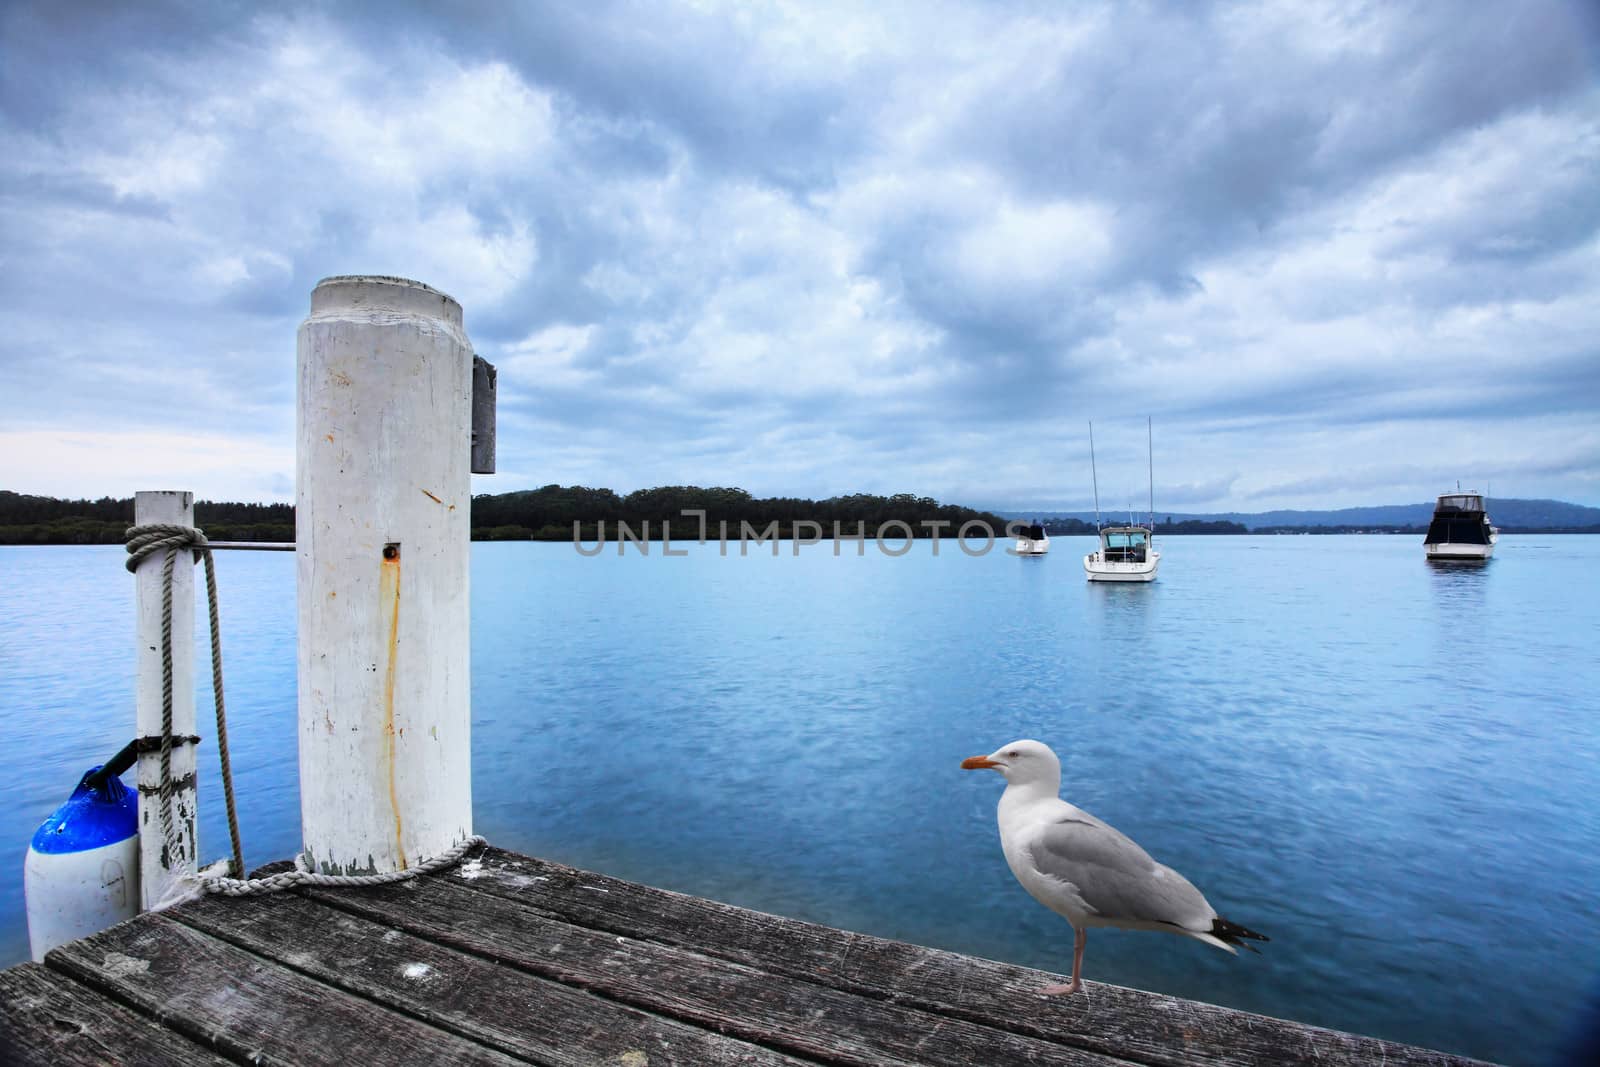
x: 826, y: 248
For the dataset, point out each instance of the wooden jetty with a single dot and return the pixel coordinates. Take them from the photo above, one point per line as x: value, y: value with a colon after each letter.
x: 507, y: 959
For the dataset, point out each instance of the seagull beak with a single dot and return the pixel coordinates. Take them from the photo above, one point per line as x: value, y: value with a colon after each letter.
x: 980, y: 763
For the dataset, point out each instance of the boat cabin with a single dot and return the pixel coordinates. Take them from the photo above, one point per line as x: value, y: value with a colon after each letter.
x: 1459, y: 519
x: 1459, y: 502
x: 1124, y: 544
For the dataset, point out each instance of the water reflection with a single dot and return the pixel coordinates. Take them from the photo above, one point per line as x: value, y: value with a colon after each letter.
x: 1464, y: 638
x: 1123, y: 607
x: 1459, y: 586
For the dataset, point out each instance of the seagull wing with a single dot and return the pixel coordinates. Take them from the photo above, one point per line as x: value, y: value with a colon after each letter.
x: 1114, y: 876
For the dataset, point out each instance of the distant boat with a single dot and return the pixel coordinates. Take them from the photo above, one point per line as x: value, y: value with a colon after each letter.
x: 1126, y: 553
x: 1032, y: 540
x: 1460, y: 530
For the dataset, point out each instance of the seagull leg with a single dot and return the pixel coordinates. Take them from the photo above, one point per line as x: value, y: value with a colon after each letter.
x: 1079, y: 939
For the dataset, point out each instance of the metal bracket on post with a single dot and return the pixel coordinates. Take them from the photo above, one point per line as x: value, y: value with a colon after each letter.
x: 483, y: 405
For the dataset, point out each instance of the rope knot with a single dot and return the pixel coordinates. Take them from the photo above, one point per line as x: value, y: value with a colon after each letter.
x: 145, y: 541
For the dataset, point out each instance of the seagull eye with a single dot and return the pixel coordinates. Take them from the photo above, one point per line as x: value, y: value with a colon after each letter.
x: 1013, y: 754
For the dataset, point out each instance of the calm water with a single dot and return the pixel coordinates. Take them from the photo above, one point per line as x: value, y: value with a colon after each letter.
x: 1389, y: 768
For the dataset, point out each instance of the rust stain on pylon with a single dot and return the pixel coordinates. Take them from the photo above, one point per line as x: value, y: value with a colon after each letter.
x: 389, y: 598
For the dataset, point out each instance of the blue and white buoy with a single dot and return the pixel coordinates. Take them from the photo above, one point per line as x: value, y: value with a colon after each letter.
x: 82, y: 871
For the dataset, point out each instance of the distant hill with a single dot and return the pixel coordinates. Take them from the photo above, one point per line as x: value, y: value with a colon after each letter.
x: 1508, y: 514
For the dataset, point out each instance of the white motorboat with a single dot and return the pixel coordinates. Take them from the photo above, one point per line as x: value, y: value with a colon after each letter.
x: 1032, y: 540
x: 1460, y: 530
x: 1126, y: 554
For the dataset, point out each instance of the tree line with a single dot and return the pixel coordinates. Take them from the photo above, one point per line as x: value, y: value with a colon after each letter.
x: 45, y: 520
x: 560, y: 513
x: 545, y: 514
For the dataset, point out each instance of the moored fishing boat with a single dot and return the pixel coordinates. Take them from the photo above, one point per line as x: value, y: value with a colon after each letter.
x: 1126, y: 553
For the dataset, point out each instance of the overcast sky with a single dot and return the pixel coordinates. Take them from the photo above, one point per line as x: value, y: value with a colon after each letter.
x: 1340, y: 254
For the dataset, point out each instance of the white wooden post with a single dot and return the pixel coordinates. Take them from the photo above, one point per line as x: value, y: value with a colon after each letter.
x: 383, y: 530
x: 159, y: 868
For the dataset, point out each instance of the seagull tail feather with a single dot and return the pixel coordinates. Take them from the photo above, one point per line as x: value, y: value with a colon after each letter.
x: 1234, y: 934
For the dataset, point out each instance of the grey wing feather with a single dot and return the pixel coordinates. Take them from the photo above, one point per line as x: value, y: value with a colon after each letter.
x: 1116, y: 877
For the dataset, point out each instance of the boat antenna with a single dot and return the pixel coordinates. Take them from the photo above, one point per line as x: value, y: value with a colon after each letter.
x: 1150, y: 453
x: 1096, y: 476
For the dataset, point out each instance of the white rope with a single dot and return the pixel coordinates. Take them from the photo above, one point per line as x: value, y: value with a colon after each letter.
x: 207, y: 883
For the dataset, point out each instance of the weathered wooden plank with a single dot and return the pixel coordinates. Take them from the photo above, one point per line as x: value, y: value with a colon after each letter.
x: 1147, y: 1027
x: 248, y: 1008
x: 49, y: 1020
x: 506, y: 1008
x: 829, y: 995
x: 798, y: 1017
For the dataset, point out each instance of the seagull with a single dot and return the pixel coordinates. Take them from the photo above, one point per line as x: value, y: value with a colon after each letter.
x: 1086, y: 871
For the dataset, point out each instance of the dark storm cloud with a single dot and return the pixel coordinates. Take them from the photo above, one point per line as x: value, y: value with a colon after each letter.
x: 53, y: 51
x: 1210, y: 125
